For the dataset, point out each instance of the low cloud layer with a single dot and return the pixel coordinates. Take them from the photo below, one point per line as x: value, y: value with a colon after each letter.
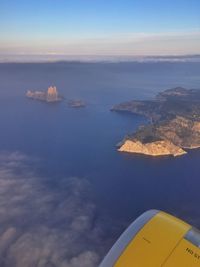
x: 47, y: 226
x: 132, y: 44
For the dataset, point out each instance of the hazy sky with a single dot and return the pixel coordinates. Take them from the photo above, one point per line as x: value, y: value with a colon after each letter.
x: 100, y: 27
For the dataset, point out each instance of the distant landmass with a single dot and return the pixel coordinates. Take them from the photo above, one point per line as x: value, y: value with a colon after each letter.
x: 52, y: 58
x: 51, y: 95
x: 174, y: 123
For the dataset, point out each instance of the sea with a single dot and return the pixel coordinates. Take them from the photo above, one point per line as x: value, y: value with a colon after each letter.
x: 53, y: 142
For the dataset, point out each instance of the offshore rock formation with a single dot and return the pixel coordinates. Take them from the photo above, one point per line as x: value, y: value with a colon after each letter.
x: 50, y: 96
x: 76, y: 104
x: 174, y: 127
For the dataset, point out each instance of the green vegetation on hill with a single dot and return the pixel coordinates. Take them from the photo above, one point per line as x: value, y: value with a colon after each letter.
x: 174, y: 116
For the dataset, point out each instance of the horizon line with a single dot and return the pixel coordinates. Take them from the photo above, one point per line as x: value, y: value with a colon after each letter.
x: 53, y: 58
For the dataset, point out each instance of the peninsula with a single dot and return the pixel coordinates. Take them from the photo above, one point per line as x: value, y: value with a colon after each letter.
x: 174, y: 123
x: 51, y: 95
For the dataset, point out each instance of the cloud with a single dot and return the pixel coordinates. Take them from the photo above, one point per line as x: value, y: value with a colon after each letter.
x: 129, y: 44
x: 44, y: 225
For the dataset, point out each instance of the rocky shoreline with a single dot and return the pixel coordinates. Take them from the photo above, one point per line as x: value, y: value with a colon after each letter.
x: 174, y: 127
x: 157, y: 148
x: 50, y: 96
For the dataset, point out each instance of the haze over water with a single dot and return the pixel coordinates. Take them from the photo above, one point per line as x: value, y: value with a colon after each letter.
x: 55, y: 143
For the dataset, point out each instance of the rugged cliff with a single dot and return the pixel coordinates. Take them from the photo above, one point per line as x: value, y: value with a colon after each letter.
x: 174, y: 127
x: 51, y: 95
x: 157, y: 148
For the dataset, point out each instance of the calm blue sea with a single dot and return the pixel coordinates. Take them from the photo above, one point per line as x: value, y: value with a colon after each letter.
x: 68, y: 142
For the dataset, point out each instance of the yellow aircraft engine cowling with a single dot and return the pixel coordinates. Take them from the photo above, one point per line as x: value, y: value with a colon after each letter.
x: 156, y: 239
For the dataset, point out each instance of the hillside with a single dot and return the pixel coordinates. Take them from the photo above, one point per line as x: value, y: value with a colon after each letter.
x: 174, y: 123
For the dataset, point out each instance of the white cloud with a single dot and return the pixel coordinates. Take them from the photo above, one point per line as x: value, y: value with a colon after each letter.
x: 42, y: 226
x: 167, y: 43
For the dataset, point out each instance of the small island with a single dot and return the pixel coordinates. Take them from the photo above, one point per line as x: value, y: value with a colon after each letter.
x: 174, y: 123
x: 51, y: 95
x: 76, y: 104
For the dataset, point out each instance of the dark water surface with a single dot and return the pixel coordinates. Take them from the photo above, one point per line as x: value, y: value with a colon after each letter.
x: 81, y: 142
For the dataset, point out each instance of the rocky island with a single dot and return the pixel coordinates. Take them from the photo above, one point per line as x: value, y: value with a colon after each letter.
x: 51, y: 95
x: 174, y: 123
x: 76, y: 104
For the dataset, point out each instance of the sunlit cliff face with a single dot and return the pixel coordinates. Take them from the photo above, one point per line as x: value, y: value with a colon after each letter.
x: 44, y: 227
x: 52, y: 93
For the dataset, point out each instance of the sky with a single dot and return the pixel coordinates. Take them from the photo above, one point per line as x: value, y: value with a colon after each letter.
x: 100, y: 27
